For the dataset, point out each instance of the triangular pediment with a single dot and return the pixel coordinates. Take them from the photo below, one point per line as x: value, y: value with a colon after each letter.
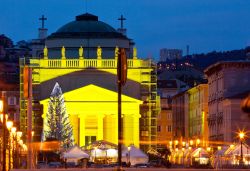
x: 93, y: 93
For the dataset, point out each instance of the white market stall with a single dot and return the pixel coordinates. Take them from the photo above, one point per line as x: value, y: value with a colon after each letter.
x: 134, y: 155
x: 233, y: 153
x: 74, y: 154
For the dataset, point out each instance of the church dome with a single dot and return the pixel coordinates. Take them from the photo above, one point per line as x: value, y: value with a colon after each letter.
x: 87, y: 26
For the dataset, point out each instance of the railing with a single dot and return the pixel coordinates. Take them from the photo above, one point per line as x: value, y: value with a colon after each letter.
x: 87, y: 63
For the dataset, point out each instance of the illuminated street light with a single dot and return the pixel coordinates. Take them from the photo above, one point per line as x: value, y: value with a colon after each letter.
x: 13, y: 138
x: 183, y: 149
x: 1, y: 106
x: 9, y: 125
x: 208, y: 149
x: 129, y: 148
x: 241, y: 136
x: 170, y: 144
x: 176, y: 142
x: 191, y: 142
x: 198, y: 142
x: 95, y: 153
x: 18, y: 138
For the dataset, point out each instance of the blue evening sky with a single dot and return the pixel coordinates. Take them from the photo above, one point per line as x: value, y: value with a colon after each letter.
x: 204, y: 25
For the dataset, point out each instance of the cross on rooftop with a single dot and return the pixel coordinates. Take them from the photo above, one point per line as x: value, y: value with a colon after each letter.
x: 122, y: 19
x: 43, y: 19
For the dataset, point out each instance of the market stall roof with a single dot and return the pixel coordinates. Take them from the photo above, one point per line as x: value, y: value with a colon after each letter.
x: 75, y: 152
x: 236, y: 150
x: 134, y: 152
x: 200, y: 152
x: 102, y: 144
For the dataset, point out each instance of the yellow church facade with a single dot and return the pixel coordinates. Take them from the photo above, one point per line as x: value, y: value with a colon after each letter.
x: 90, y: 92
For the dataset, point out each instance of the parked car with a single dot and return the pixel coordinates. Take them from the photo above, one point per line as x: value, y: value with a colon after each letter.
x: 141, y: 165
x: 55, y: 165
x: 41, y: 164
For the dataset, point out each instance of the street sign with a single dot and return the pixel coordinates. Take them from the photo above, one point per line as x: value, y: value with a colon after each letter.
x: 122, y: 67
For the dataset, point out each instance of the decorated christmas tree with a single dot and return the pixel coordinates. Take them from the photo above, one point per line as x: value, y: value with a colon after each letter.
x: 57, y: 124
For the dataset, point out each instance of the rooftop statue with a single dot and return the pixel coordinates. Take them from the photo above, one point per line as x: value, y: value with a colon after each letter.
x: 99, y: 52
x: 45, y: 52
x: 81, y: 52
x: 63, y: 52
x: 116, y: 52
x: 134, y: 53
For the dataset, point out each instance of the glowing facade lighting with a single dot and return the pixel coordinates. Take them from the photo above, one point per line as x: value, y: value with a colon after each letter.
x: 13, y: 130
x: 1, y: 117
x: 1, y: 106
x: 19, y: 134
x: 9, y: 124
x: 208, y: 149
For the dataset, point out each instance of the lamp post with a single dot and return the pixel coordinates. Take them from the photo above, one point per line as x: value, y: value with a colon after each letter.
x: 241, y: 136
x: 3, y: 119
x: 198, y: 142
x: 13, y: 133
x: 129, y: 148
x: 95, y: 153
x: 183, y: 156
x: 170, y: 144
x: 18, y: 138
x: 176, y: 143
x: 9, y: 125
x: 191, y: 142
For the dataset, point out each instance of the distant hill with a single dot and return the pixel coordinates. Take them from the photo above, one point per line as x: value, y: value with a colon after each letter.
x: 189, y: 69
x: 202, y: 61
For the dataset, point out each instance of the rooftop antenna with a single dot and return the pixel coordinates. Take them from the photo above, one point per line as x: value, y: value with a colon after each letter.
x: 187, y: 50
x: 86, y: 6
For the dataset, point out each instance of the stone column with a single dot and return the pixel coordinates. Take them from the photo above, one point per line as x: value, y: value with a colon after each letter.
x: 100, y: 127
x: 110, y: 128
x: 128, y: 129
x: 136, y: 129
x: 82, y: 131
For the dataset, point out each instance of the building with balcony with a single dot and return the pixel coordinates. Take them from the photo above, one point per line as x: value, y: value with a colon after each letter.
x: 197, y: 113
x: 226, y: 83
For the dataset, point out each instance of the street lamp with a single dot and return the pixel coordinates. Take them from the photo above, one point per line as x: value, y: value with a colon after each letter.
x: 183, y: 149
x: 9, y: 125
x: 191, y: 142
x: 13, y: 137
x: 18, y: 138
x: 198, y: 142
x: 176, y: 143
x: 129, y: 148
x: 241, y: 136
x: 170, y: 144
x: 95, y: 153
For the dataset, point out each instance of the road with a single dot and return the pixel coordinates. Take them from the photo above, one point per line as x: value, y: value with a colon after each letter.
x: 129, y: 169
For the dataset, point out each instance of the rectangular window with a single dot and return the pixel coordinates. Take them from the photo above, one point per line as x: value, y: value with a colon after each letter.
x: 11, y: 100
x: 169, y: 115
x: 158, y: 128
x: 169, y: 128
x: 89, y: 139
